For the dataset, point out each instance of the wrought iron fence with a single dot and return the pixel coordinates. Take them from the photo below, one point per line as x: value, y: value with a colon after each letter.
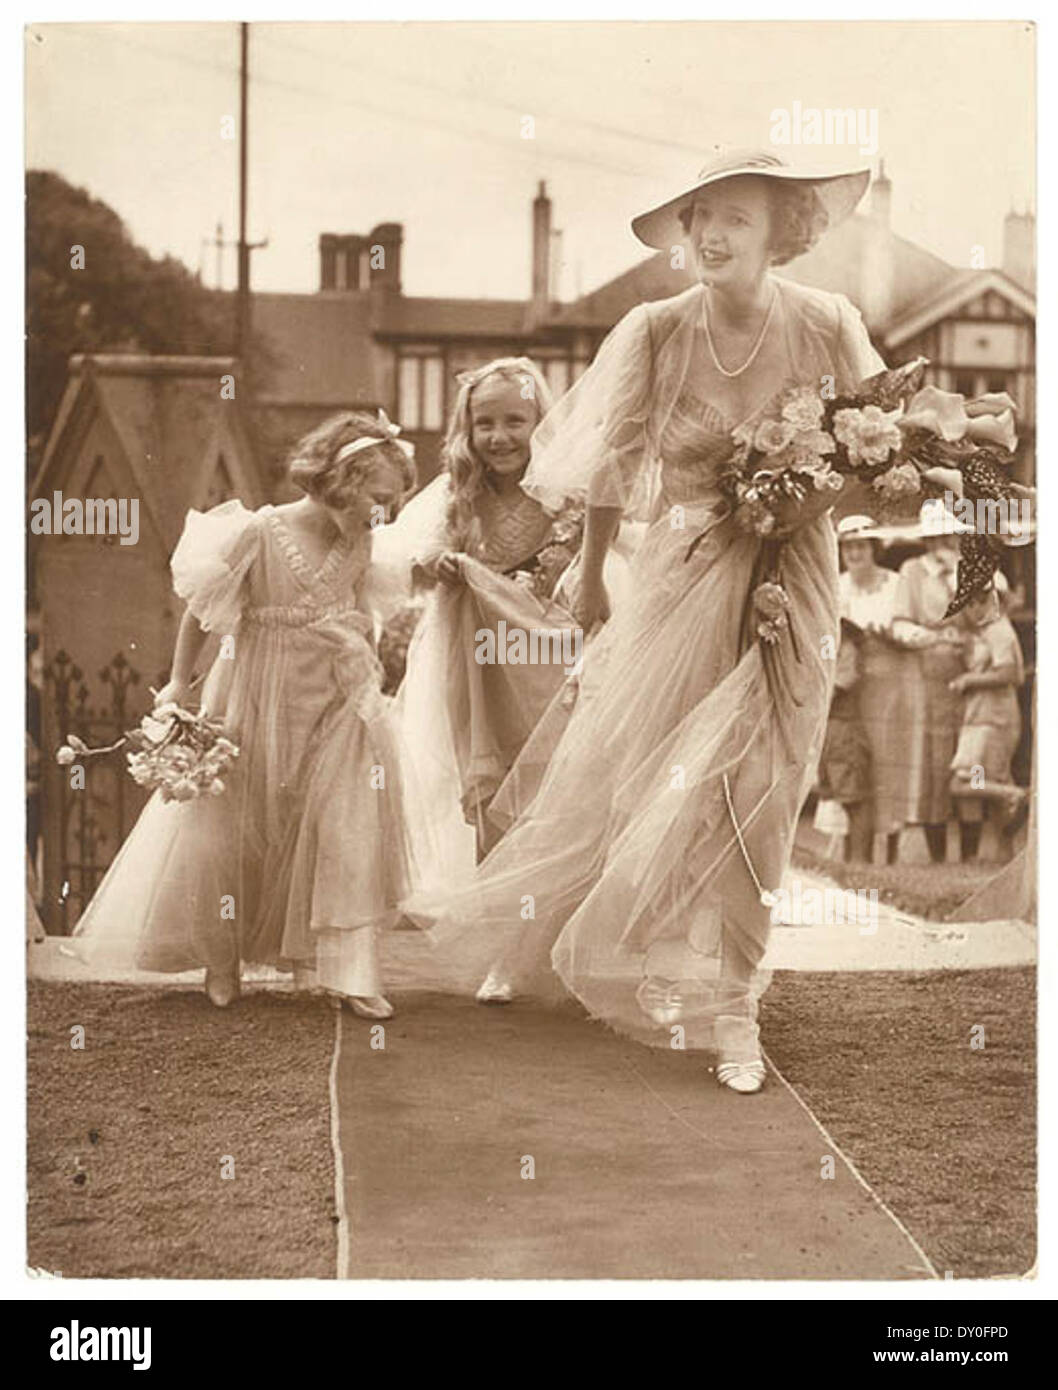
x: 84, y: 828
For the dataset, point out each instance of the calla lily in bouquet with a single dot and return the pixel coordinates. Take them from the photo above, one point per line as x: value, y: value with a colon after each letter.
x: 893, y: 433
x: 182, y: 754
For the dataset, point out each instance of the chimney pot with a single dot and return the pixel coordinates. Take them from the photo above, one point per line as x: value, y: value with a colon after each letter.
x: 390, y: 237
x: 1019, y: 248
x: 541, y: 281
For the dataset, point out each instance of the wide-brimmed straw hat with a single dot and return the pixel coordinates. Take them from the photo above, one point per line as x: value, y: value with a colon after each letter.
x: 857, y: 528
x: 934, y: 519
x: 838, y: 192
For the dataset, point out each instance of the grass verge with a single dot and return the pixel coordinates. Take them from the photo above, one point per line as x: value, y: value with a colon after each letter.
x: 127, y: 1138
x: 944, y: 1132
x: 933, y: 891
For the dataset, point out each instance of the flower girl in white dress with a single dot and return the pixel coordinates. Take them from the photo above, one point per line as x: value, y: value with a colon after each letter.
x: 304, y: 855
x: 496, y: 564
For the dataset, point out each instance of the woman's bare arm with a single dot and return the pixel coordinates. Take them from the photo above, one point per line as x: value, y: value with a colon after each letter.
x: 600, y: 527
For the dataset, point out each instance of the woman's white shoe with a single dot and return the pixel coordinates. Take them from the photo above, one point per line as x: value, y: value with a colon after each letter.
x: 370, y: 1006
x: 494, y: 990
x: 744, y: 1077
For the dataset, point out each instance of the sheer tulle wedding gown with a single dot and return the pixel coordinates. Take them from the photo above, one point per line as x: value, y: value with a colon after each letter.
x: 622, y: 877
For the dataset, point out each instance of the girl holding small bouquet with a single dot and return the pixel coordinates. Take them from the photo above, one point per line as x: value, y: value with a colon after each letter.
x: 299, y: 854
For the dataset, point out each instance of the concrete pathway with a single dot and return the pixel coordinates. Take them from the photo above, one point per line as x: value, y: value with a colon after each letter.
x: 885, y: 938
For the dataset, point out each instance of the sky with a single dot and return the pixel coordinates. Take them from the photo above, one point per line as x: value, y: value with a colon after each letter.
x: 356, y: 124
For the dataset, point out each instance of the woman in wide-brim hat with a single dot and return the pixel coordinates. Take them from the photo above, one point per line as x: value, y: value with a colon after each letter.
x: 643, y: 871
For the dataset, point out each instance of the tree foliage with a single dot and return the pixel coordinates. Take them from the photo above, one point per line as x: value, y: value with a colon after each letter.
x: 122, y: 300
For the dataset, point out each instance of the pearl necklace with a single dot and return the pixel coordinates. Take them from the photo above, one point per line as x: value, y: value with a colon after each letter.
x: 756, y: 346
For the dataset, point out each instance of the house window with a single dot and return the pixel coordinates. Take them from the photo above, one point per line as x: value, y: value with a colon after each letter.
x: 556, y: 370
x: 408, y: 393
x: 965, y: 383
x: 433, y: 393
x: 420, y: 393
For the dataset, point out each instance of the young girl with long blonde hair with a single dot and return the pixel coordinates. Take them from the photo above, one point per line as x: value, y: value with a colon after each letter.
x: 495, y: 564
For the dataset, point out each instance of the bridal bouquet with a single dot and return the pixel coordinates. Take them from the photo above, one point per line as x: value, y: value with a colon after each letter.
x: 185, y: 755
x: 891, y: 432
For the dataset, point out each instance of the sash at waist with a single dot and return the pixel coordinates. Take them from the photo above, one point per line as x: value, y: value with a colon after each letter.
x: 309, y: 615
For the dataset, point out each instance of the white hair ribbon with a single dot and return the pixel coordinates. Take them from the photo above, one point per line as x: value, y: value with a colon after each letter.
x: 370, y: 441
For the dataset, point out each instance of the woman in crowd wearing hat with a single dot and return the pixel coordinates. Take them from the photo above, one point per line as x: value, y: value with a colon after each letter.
x: 925, y: 587
x: 643, y: 871
x: 867, y: 593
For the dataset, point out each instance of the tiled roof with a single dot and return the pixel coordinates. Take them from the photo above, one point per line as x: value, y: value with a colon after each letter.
x: 324, y: 346
x: 323, y: 349
x: 168, y: 414
x: 442, y: 318
x: 834, y: 265
x: 964, y: 286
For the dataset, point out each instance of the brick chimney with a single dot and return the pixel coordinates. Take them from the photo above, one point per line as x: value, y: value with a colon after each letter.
x: 1019, y: 248
x: 328, y: 261
x: 541, y: 288
x: 353, y: 263
x: 876, y: 276
x: 384, y: 253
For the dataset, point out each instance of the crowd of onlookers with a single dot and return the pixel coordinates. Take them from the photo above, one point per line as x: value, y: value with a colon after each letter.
x: 925, y: 717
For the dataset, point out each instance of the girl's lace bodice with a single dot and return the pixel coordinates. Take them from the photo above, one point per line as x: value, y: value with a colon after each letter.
x: 508, y: 530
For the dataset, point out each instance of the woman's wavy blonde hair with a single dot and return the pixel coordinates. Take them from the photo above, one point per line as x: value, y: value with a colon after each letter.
x: 467, y: 474
x: 314, y: 470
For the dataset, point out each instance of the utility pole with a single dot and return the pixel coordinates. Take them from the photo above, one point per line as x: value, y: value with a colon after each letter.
x: 242, y: 329
x: 244, y: 247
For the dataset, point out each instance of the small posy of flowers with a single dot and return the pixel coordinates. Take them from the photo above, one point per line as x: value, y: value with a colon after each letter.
x: 770, y: 605
x: 555, y: 556
x: 393, y: 643
x: 181, y: 754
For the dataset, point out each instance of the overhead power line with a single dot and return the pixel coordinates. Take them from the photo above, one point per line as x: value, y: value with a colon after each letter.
x: 515, y: 145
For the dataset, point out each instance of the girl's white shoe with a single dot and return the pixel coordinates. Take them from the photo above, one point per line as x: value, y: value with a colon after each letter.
x: 222, y: 985
x: 494, y: 990
x: 744, y: 1077
x: 371, y: 1006
x: 661, y: 1000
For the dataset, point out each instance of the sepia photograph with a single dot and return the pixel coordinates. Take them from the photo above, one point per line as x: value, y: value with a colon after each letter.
x: 530, y: 656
